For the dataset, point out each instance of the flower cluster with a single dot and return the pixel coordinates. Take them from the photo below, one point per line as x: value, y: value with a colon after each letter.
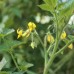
x: 63, y: 36
x: 31, y: 27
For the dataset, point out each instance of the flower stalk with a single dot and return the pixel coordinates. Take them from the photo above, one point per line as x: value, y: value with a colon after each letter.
x: 14, y: 61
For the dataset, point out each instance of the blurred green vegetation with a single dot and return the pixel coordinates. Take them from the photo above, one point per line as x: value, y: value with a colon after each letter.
x: 16, y: 14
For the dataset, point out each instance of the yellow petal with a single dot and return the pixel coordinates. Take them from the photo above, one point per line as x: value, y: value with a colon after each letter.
x: 31, y: 26
x: 70, y: 46
x: 50, y: 38
x: 18, y: 36
x: 63, y: 35
x: 19, y: 32
x: 26, y: 33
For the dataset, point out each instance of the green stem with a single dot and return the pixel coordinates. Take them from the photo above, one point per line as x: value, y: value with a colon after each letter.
x: 48, y: 64
x: 46, y: 55
x: 14, y: 61
x: 50, y: 61
x: 51, y: 45
x: 57, y: 37
x: 45, y: 45
x: 39, y: 38
x: 56, y: 54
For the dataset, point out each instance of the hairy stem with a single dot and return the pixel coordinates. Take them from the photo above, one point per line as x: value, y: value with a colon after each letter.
x: 14, y: 61
x: 50, y: 61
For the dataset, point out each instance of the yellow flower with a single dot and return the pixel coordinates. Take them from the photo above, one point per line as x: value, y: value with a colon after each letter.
x: 19, y: 32
x: 70, y: 46
x: 26, y: 33
x: 63, y: 35
x: 31, y: 26
x: 50, y: 38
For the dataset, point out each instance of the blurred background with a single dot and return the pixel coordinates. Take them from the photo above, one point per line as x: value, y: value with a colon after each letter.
x: 16, y: 14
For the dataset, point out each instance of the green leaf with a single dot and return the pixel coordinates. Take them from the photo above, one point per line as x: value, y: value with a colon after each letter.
x: 46, y: 7
x: 67, y: 9
x: 51, y: 3
x: 64, y: 13
x: 60, y: 5
x: 6, y: 32
x: 16, y: 11
x: 3, y: 63
x: 25, y: 66
x: 9, y: 44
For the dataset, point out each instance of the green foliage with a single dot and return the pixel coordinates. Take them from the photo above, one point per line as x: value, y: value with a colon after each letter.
x: 6, y: 32
x: 20, y: 57
x: 51, y: 3
x: 61, y: 13
x: 46, y: 7
x: 8, y: 45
